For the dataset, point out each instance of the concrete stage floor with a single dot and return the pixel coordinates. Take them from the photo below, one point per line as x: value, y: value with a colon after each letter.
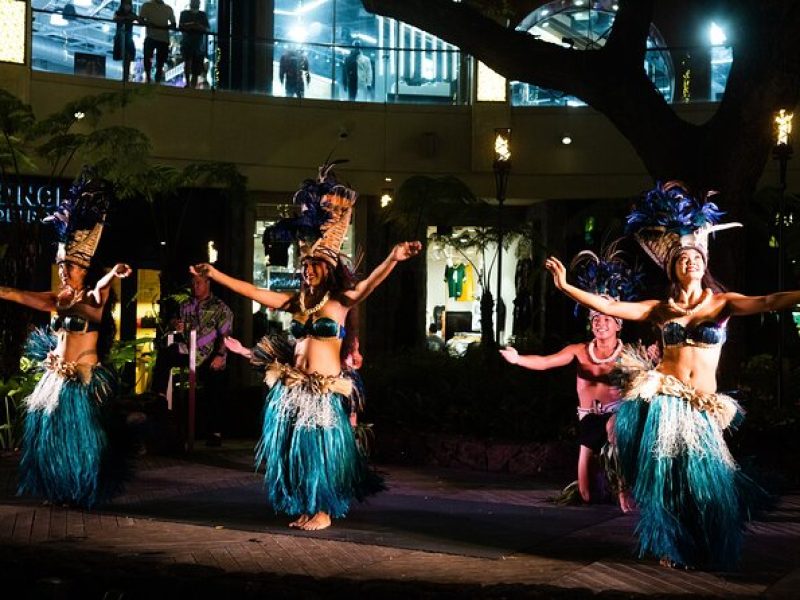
x: 197, y: 526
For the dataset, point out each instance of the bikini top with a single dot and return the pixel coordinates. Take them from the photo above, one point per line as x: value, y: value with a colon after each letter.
x: 73, y: 324
x: 704, y: 334
x: 323, y: 328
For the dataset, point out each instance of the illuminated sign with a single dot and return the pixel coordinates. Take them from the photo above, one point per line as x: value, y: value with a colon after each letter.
x: 29, y: 202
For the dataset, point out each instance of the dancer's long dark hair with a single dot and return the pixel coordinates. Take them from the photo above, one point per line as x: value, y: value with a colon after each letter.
x: 108, y: 328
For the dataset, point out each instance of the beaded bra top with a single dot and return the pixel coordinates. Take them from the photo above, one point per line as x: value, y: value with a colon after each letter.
x: 323, y: 328
x: 704, y: 334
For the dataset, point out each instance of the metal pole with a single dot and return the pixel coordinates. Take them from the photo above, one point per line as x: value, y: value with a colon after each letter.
x: 499, y: 325
x: 783, y: 159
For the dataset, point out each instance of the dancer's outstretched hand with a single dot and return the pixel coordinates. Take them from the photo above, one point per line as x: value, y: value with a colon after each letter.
x: 203, y: 270
x: 510, y: 354
x: 405, y: 250
x: 558, y: 270
x: 121, y: 270
x: 235, y: 346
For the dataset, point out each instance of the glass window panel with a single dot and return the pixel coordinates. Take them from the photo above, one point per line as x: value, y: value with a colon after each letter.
x: 78, y: 37
x: 302, y: 58
x: 579, y: 26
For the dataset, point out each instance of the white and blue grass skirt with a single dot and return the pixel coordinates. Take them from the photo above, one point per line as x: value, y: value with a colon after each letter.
x: 67, y: 456
x: 308, y: 447
x: 694, y: 501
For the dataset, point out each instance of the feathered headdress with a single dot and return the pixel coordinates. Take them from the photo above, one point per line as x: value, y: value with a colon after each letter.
x: 322, y: 209
x: 607, y: 274
x: 668, y: 219
x: 80, y: 218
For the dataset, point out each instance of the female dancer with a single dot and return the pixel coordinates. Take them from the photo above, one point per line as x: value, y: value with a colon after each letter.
x: 693, y: 499
x: 313, y: 465
x: 67, y: 456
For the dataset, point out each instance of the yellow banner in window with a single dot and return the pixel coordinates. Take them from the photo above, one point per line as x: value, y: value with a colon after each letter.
x: 12, y: 31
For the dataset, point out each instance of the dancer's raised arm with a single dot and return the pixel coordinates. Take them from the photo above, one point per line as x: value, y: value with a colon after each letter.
x: 402, y: 251
x: 100, y: 292
x: 536, y: 362
x: 629, y: 311
x: 268, y: 298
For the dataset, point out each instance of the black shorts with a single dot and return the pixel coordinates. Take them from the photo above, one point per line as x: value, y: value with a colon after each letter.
x: 592, y: 431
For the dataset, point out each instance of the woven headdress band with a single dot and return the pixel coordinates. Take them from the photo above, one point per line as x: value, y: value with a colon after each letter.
x: 79, y: 219
x: 322, y: 211
x: 668, y: 219
x: 338, y: 204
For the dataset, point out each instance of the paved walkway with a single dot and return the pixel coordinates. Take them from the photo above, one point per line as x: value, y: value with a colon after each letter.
x: 198, y: 527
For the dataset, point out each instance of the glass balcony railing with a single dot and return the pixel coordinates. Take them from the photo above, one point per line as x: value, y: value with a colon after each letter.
x: 357, y: 71
x: 394, y: 63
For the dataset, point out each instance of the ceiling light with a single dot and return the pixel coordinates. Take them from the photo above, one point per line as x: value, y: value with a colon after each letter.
x: 566, y: 140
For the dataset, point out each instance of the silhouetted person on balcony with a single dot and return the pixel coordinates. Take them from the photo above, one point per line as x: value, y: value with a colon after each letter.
x: 124, y: 48
x: 194, y: 44
x: 159, y: 18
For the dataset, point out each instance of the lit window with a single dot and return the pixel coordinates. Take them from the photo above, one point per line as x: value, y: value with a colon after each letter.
x: 12, y: 31
x: 491, y: 85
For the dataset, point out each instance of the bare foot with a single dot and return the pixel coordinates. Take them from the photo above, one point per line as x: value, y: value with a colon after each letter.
x: 671, y: 564
x: 626, y: 501
x: 299, y: 523
x: 319, y: 521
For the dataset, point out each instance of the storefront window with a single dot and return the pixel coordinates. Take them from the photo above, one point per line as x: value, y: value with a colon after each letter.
x: 336, y: 50
x: 585, y: 26
x: 457, y: 279
x: 78, y: 37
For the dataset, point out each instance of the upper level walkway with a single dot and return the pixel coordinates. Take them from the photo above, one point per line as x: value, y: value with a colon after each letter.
x: 198, y: 527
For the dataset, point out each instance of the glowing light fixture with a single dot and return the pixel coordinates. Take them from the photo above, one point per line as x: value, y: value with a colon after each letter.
x: 502, y: 146
x: 783, y: 127
x: 58, y: 21
x: 387, y: 195
x: 566, y: 139
x: 298, y: 33
x: 716, y: 34
x: 212, y: 252
x: 79, y: 115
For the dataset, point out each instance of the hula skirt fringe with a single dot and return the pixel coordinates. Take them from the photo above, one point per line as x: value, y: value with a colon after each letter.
x: 312, y: 462
x: 694, y: 501
x: 67, y: 456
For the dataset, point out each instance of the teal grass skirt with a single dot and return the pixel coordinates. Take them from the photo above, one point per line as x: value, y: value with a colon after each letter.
x: 309, y: 451
x: 67, y: 454
x: 693, y: 500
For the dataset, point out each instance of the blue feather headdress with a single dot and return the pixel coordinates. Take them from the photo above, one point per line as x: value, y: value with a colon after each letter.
x: 80, y: 217
x: 668, y: 219
x: 322, y: 209
x: 607, y: 274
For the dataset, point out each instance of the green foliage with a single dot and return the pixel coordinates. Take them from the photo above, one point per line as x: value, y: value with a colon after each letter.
x: 13, y: 392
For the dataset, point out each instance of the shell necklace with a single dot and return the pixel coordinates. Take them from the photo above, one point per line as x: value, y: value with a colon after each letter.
x: 316, y: 308
x: 69, y: 292
x: 688, y: 312
x: 608, y: 359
